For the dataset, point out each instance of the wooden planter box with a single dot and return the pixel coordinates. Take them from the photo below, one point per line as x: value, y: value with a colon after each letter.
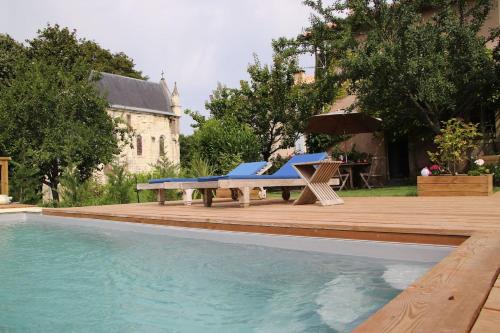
x: 450, y: 186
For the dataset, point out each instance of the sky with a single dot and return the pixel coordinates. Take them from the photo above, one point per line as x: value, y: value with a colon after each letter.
x: 197, y: 43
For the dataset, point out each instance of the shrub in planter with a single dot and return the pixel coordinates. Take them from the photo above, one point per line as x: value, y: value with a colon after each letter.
x: 479, y: 168
x: 454, y: 143
x: 456, y: 139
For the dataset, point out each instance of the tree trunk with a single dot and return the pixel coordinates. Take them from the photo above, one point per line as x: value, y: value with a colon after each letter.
x: 55, y: 193
x: 53, y: 181
x: 266, y: 155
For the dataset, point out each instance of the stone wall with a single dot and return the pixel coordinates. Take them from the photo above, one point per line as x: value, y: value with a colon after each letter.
x: 151, y: 128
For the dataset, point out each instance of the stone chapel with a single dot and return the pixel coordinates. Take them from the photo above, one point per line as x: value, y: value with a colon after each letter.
x: 152, y: 111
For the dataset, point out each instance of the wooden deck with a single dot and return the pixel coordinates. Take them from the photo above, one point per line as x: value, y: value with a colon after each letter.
x: 15, y: 205
x: 457, y: 295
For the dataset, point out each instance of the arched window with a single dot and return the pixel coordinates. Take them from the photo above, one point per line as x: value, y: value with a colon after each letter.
x: 162, y: 145
x: 139, y: 145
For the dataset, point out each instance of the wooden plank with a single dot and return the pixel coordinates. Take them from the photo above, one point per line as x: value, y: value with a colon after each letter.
x: 452, y: 194
x: 4, y: 175
x: 453, y: 187
x: 147, y: 186
x: 316, y: 176
x: 453, y: 179
x: 493, y: 301
x: 10, y: 206
x: 487, y: 322
x: 275, y: 230
x: 447, y: 216
x: 497, y: 283
x: 449, y: 297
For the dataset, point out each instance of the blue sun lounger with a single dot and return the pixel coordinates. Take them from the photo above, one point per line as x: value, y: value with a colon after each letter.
x: 187, y: 185
x: 285, y: 178
x: 244, y: 169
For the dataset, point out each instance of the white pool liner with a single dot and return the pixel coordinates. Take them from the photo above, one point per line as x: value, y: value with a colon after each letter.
x: 363, y: 248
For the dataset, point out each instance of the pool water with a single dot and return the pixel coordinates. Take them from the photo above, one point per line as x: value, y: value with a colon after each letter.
x: 59, y: 277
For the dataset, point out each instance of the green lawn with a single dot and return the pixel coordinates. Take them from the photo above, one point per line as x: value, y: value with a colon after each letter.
x: 390, y: 191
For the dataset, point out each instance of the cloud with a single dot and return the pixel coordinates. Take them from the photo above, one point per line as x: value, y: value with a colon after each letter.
x: 197, y: 43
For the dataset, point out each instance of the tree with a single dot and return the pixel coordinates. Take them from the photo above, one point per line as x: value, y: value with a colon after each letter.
x: 269, y: 103
x: 53, y: 120
x: 61, y: 46
x: 186, y: 147
x: 51, y: 116
x: 224, y: 143
x: 414, y: 72
x: 328, y: 38
x: 457, y: 138
x: 11, y: 52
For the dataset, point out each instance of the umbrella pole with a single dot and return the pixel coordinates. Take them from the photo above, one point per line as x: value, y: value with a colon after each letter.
x: 345, y: 148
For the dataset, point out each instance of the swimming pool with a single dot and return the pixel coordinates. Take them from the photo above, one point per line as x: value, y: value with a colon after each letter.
x: 61, y: 275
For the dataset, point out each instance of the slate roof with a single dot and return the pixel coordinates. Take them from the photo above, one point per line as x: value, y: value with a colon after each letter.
x: 139, y: 95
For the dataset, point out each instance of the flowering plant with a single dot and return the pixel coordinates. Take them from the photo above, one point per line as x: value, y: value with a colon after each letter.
x: 457, y: 138
x: 435, y: 170
x: 479, y: 162
x: 479, y: 168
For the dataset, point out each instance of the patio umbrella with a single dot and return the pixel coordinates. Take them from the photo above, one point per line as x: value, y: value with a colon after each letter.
x: 343, y: 122
x: 340, y: 121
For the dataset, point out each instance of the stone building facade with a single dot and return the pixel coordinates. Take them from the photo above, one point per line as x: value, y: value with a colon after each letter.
x: 152, y: 111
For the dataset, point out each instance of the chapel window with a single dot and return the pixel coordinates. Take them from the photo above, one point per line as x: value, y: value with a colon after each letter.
x: 139, y: 145
x: 162, y: 145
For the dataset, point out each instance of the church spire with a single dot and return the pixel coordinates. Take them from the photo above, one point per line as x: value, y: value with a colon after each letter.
x: 175, y: 92
x: 176, y: 101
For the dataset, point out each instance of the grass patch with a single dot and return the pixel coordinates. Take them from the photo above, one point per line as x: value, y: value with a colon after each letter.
x: 392, y: 191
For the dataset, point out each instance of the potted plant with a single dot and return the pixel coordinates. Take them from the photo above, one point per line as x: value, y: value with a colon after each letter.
x: 456, y: 140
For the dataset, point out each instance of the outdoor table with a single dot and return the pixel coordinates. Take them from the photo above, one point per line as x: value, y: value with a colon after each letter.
x: 316, y: 176
x: 350, y: 167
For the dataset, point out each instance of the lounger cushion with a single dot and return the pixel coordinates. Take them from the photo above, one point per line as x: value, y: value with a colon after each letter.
x: 286, y: 171
x: 258, y: 177
x: 244, y: 169
x: 247, y: 168
x: 250, y: 168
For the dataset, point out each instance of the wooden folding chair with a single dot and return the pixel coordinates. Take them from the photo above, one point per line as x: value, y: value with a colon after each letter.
x: 343, y: 178
x: 372, y: 173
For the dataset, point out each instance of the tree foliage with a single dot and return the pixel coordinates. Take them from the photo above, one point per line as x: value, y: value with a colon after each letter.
x: 415, y: 71
x: 52, y: 120
x: 51, y: 116
x: 328, y: 38
x: 269, y: 102
x: 224, y: 143
x: 456, y: 139
x: 11, y: 52
x: 61, y: 45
